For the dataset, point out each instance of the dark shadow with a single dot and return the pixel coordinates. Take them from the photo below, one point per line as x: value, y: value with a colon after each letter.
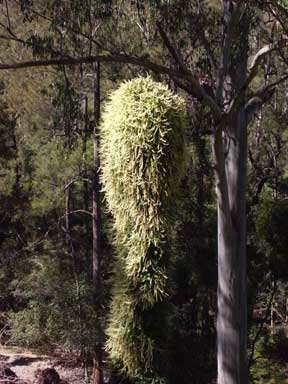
x: 21, y: 360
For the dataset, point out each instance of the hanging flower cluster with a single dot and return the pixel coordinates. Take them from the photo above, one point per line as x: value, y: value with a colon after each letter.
x: 142, y: 157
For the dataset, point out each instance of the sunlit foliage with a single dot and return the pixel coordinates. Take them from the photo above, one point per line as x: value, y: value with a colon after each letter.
x: 142, y: 151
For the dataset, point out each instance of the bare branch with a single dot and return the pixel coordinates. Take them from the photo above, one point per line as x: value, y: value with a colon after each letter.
x: 278, y: 18
x: 263, y: 52
x: 195, y: 88
x: 200, y: 31
x: 210, y: 54
x: 179, y: 61
x: 173, y: 51
x: 76, y: 180
x: 230, y: 20
x: 280, y: 8
x: 7, y: 13
x: 81, y: 211
x: 277, y: 82
x: 261, y: 96
x: 256, y: 103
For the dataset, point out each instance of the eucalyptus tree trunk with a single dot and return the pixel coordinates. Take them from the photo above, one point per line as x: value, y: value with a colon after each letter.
x: 229, y: 146
x: 231, y: 295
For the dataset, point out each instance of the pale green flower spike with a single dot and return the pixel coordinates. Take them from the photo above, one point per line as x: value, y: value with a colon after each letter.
x: 142, y: 157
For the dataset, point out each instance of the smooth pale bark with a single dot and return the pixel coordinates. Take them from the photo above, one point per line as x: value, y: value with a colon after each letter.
x: 230, y: 170
x: 236, y: 164
x: 229, y: 146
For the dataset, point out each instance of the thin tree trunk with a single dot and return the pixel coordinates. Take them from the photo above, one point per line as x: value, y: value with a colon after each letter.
x: 85, y: 174
x: 16, y: 184
x: 96, y: 215
x: 96, y: 218
x: 84, y: 151
x: 71, y: 251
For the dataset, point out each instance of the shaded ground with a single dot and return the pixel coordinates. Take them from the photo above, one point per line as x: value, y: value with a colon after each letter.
x: 25, y: 363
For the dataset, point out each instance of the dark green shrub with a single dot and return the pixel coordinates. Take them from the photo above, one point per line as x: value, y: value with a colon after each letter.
x: 272, y: 229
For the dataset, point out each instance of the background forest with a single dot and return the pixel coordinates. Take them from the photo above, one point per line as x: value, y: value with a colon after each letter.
x: 58, y: 259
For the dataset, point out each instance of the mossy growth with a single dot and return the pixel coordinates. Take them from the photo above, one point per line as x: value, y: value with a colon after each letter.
x: 142, y: 157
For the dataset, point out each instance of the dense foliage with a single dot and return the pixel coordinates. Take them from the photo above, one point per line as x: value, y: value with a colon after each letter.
x: 142, y: 155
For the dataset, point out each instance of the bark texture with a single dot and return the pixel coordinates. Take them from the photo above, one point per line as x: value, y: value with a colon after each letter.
x: 231, y: 319
x: 230, y: 156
